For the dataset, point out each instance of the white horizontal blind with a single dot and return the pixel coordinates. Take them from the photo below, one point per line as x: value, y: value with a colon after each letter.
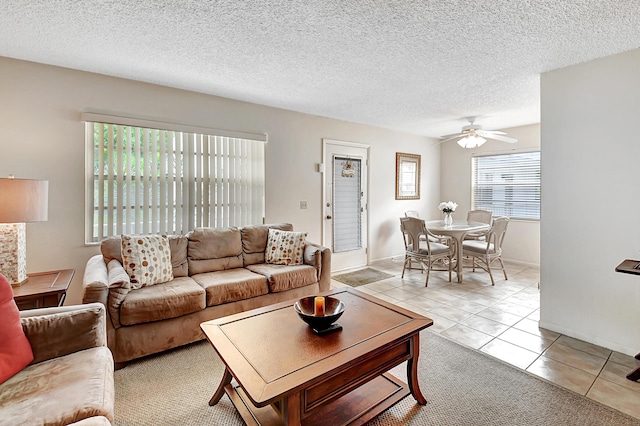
x: 145, y: 181
x: 507, y: 184
x: 347, y: 203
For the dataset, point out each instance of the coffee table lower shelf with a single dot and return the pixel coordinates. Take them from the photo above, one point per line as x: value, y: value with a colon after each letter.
x: 354, y: 408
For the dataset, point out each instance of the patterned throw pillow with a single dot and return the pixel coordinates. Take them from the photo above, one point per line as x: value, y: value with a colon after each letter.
x: 285, y: 247
x: 147, y: 259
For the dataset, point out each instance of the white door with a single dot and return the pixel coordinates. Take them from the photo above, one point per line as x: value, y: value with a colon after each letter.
x: 345, y: 203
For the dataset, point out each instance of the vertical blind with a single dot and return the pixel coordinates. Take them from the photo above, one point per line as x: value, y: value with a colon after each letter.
x: 143, y: 180
x: 507, y: 184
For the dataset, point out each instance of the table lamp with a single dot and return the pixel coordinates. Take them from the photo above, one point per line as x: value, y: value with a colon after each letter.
x: 21, y: 201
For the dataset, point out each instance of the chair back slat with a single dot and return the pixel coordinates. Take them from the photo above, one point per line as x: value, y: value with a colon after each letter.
x: 482, y: 216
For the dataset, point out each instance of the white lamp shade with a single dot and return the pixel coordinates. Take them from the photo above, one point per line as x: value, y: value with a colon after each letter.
x: 23, y: 200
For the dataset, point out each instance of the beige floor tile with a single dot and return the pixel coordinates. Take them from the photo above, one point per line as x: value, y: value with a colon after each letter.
x: 507, y: 352
x: 424, y: 303
x: 399, y: 293
x: 439, y: 323
x: 487, y: 326
x: 454, y: 291
x: 526, y: 340
x: 575, y: 358
x: 617, y: 373
x: 531, y: 326
x: 467, y: 336
x: 524, y: 299
x: 379, y: 286
x: 535, y: 315
x: 387, y: 298
x: 437, y: 295
x: 451, y: 313
x: 589, y: 348
x: 468, y: 305
x: 500, y: 316
x: 497, y: 292
x: 512, y: 308
x: 616, y: 396
x: 562, y: 374
x: 412, y: 308
x: 365, y: 289
x: 481, y: 298
x: 625, y: 360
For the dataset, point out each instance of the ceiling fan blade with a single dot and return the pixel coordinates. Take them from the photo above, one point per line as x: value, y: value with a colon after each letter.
x: 453, y: 135
x: 502, y: 138
x: 490, y: 132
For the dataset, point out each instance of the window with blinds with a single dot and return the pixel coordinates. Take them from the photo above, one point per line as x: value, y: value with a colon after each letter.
x: 149, y: 180
x: 507, y: 184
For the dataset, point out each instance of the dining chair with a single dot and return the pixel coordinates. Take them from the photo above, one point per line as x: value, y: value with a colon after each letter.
x: 419, y: 248
x: 482, y: 216
x: 411, y: 213
x: 489, y: 250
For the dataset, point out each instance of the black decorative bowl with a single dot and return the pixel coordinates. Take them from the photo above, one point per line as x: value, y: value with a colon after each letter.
x: 333, y: 308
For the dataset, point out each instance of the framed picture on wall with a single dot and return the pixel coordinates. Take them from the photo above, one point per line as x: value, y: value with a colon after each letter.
x: 407, y: 176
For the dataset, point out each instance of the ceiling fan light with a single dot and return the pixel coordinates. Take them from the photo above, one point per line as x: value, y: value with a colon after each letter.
x: 471, y: 141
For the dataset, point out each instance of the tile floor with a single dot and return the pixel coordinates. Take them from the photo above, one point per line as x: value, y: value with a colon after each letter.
x: 502, y: 321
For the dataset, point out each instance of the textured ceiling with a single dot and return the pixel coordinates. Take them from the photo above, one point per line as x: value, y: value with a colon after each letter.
x: 418, y: 66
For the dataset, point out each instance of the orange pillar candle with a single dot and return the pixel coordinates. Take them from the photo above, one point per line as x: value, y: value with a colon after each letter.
x: 319, y: 306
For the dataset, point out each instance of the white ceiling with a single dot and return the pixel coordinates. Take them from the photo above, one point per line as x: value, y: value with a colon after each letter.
x: 418, y: 66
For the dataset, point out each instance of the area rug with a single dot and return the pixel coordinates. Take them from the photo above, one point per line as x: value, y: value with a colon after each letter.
x: 462, y: 387
x: 361, y: 277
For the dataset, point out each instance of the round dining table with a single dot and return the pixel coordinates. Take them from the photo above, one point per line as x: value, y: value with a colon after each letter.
x: 457, y: 231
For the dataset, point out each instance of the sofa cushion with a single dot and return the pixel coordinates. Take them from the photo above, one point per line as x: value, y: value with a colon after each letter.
x: 172, y: 299
x: 231, y: 285
x: 111, y: 248
x: 254, y: 241
x: 147, y: 259
x: 214, y: 249
x: 15, y: 350
x: 61, y: 390
x: 285, y: 247
x: 178, y: 245
x: 285, y: 277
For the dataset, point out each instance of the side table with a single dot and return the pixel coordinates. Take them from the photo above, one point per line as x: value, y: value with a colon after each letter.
x: 43, y: 289
x: 630, y: 266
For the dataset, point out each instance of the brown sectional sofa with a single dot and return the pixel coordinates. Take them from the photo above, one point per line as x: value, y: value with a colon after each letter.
x: 217, y: 272
x: 70, y: 380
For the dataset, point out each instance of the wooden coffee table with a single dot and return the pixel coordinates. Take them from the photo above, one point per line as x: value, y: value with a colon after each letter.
x: 286, y: 374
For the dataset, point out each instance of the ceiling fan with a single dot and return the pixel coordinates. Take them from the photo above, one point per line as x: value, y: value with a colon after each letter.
x: 473, y: 136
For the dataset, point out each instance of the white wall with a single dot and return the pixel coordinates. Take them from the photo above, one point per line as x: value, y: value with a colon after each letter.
x: 591, y: 201
x: 43, y: 138
x: 522, y: 241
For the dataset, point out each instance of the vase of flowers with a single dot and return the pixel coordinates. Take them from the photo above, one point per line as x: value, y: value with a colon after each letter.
x: 447, y: 208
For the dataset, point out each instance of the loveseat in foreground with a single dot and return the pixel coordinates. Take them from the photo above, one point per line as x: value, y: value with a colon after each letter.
x: 216, y: 272
x: 70, y: 380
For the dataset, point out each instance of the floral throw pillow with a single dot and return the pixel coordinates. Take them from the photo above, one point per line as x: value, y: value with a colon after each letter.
x: 285, y: 247
x: 147, y: 259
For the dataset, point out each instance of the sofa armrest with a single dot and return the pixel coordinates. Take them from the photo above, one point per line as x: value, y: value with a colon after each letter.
x: 96, y: 281
x: 320, y: 258
x: 55, y: 332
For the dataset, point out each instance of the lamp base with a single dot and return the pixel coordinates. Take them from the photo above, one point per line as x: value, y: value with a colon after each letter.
x: 18, y: 284
x: 13, y: 252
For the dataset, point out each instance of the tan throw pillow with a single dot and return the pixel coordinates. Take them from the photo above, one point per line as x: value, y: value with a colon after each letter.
x: 147, y: 259
x: 285, y: 247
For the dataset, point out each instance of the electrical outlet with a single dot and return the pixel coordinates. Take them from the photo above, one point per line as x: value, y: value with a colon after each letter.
x: 303, y: 205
